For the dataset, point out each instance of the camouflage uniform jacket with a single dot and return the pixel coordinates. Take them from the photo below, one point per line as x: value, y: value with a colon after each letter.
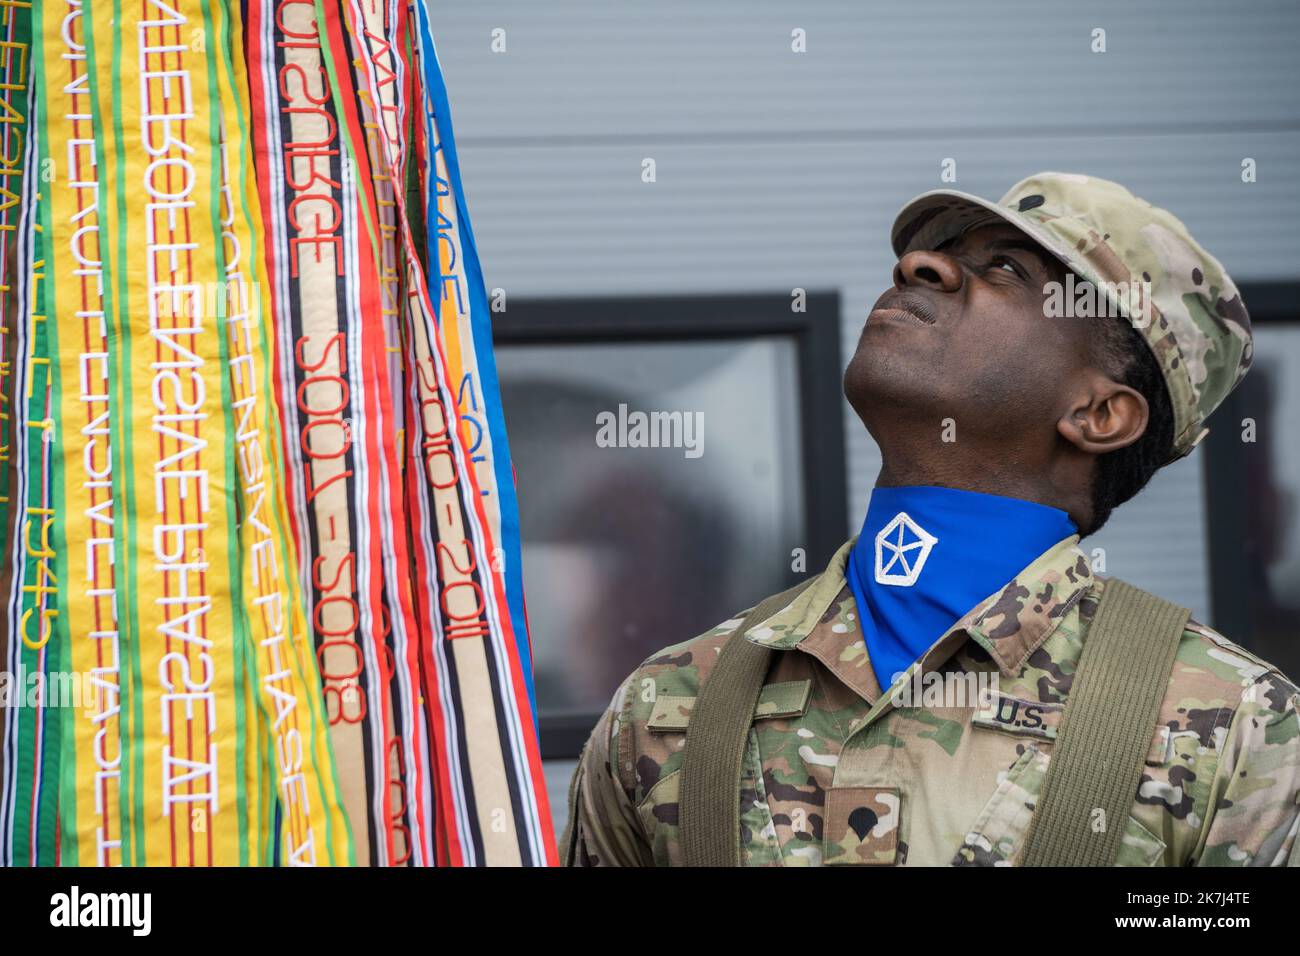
x: 835, y: 772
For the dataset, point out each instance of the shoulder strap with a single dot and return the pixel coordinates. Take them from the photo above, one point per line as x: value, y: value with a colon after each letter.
x: 1096, y: 765
x: 569, y: 838
x: 709, y: 799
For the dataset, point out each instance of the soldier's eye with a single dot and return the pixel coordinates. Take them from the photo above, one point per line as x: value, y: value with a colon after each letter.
x: 1007, y: 264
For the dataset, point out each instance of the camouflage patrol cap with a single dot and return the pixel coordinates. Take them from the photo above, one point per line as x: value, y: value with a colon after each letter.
x: 1140, y: 257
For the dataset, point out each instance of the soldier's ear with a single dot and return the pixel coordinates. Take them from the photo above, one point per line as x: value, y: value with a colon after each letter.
x: 1104, y: 415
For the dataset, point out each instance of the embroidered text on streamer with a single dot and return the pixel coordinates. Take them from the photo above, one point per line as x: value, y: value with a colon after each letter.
x: 261, y: 536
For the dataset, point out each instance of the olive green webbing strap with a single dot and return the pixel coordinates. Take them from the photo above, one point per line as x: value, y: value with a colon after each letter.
x: 1105, y: 734
x: 709, y: 798
x: 569, y: 838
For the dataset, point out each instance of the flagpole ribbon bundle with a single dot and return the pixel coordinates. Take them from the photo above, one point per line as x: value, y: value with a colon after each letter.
x: 254, y: 478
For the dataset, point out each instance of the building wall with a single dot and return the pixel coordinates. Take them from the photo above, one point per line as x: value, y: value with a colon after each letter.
x: 777, y: 170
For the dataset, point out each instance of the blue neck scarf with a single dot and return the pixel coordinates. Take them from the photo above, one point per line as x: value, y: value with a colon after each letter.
x: 928, y: 555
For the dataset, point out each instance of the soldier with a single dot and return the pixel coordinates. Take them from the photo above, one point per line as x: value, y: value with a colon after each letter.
x: 1034, y: 363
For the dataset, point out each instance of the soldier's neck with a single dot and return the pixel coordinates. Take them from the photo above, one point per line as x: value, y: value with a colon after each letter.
x: 993, y: 474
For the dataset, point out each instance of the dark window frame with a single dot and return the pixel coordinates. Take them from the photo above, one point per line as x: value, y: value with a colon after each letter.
x: 816, y: 335
x: 1269, y: 304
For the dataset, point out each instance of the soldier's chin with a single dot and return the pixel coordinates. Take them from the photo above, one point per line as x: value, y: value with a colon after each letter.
x: 878, y: 383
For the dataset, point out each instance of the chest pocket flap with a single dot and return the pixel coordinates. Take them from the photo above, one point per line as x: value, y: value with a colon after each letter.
x: 998, y: 834
x: 672, y: 713
x: 1031, y: 718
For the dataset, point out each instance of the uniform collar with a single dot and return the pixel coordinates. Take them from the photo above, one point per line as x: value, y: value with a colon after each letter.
x: 1010, y: 624
x: 785, y: 629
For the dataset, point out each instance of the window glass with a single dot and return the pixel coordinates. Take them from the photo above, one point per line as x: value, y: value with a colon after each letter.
x: 1270, y: 403
x: 627, y: 548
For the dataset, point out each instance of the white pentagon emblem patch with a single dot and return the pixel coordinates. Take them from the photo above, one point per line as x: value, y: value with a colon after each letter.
x: 901, y: 551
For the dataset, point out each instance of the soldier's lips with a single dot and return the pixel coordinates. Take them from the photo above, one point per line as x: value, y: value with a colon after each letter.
x: 896, y: 315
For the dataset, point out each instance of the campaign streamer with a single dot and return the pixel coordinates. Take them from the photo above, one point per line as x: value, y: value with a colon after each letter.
x: 488, y: 770
x: 261, y: 578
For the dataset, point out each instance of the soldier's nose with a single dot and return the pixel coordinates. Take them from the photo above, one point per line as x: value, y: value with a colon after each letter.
x: 922, y: 267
